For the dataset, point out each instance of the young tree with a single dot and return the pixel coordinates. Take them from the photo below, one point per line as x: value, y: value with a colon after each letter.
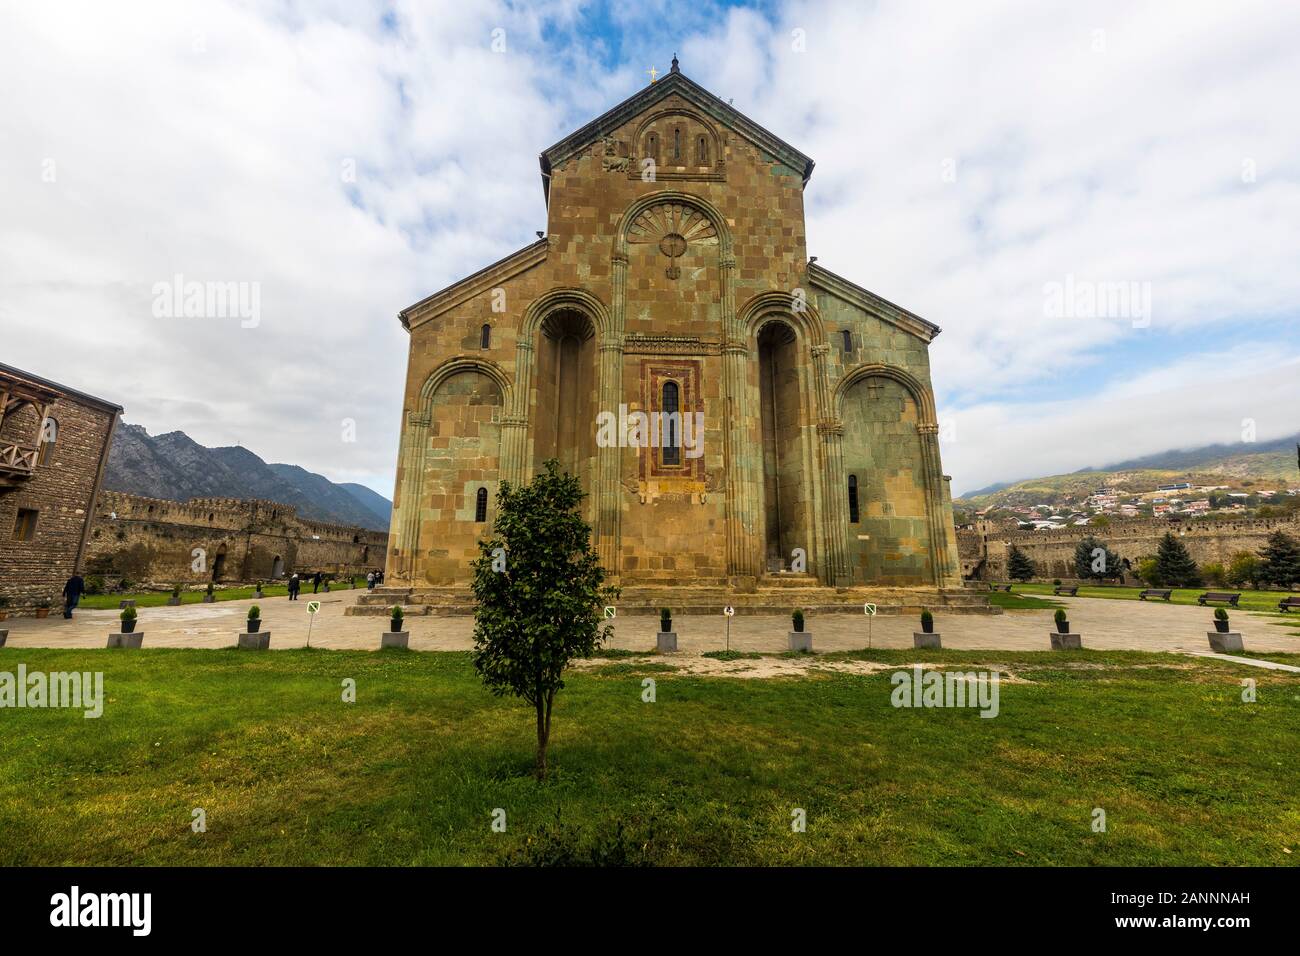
x: 1148, y: 572
x: 1094, y: 561
x: 1244, y: 568
x: 539, y: 586
x: 1280, y: 560
x: 1020, y: 566
x: 1174, y: 566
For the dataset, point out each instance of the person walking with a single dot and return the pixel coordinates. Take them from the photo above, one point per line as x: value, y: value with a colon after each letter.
x: 370, y: 581
x: 315, y: 583
x: 72, y: 592
x: 294, y: 585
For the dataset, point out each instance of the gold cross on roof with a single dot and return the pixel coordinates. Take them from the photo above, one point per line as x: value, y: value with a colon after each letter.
x: 652, y: 73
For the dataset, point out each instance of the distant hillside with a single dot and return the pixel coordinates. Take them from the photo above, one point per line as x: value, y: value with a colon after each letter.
x: 1260, y: 464
x: 176, y: 467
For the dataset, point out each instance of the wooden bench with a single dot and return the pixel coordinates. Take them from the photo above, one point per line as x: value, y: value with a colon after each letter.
x: 1287, y: 603
x: 1070, y: 589
x: 1156, y: 592
x: 1221, y: 597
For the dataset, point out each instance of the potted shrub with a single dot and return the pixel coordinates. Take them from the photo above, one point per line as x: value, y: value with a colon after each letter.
x: 254, y: 619
x: 927, y: 622
x: 43, y: 607
x: 1221, y: 620
x: 175, y: 599
x: 128, y: 616
x: 396, y: 637
x: 208, y: 596
x: 666, y: 639
x: 1056, y: 582
x: 800, y: 640
x: 257, y: 590
x: 1062, y: 622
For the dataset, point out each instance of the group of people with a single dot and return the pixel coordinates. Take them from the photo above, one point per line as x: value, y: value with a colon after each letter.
x: 76, y: 587
x: 295, y: 585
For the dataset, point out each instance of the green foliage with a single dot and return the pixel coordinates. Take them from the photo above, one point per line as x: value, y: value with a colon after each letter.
x: 1215, y: 573
x: 1174, y: 566
x: 927, y: 619
x: 209, y: 588
x: 1280, y: 560
x: 544, y: 609
x: 1220, y: 613
x: 94, y: 584
x: 176, y: 590
x: 128, y: 614
x: 665, y: 619
x: 1093, y: 561
x: 1020, y: 566
x: 1245, y: 568
x: 396, y: 614
x: 797, y: 619
x: 1148, y: 572
x: 1060, y: 615
x: 254, y: 613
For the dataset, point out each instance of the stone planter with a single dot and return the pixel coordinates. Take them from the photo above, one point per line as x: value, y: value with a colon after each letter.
x: 209, y: 599
x: 1229, y: 643
x: 255, y: 640
x: 254, y: 625
x: 666, y: 641
x: 930, y: 641
x: 1221, y: 626
x: 1062, y: 627
x: 126, y: 640
x: 396, y: 639
x: 1064, y: 641
x: 801, y: 641
x: 128, y: 626
x: 42, y: 612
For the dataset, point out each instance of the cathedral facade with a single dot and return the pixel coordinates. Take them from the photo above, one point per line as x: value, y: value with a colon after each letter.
x: 733, y: 410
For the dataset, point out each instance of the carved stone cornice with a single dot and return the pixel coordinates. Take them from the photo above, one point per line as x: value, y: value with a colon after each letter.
x: 669, y: 345
x: 734, y: 348
x: 525, y: 344
x: 830, y: 427
x: 927, y: 428
x: 819, y: 350
x: 514, y: 421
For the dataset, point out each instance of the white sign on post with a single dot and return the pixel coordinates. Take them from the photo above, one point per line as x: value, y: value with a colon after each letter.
x: 609, y: 612
x: 313, y: 607
x: 869, y: 609
x: 729, y: 611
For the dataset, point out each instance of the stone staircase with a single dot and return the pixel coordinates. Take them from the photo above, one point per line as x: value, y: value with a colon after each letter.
x: 774, y: 594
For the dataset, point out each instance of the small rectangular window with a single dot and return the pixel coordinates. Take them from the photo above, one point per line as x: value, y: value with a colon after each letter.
x: 25, y: 525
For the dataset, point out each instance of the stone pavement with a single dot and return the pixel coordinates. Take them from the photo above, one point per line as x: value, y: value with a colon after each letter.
x: 1105, y: 625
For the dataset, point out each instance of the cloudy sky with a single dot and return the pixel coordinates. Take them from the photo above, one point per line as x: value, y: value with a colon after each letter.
x: 974, y: 161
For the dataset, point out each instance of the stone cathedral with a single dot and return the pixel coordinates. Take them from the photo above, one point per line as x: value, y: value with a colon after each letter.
x: 673, y: 278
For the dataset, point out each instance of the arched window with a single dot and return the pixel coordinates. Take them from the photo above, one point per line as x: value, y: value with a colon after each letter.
x: 701, y: 151
x: 480, y: 506
x: 485, y: 337
x: 49, y: 435
x: 853, y: 499
x: 677, y: 144
x: 652, y: 146
x: 670, y: 435
x: 847, y: 338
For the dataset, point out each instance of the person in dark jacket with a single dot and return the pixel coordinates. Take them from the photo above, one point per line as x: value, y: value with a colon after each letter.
x: 315, y: 583
x: 294, y: 585
x: 72, y: 592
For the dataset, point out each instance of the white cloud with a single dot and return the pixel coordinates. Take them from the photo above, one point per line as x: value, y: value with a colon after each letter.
x: 211, y: 139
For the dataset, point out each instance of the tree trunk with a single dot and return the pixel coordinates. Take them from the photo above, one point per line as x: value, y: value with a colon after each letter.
x: 543, y: 731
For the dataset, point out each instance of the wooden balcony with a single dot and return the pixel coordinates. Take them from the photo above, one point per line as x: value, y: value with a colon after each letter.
x: 17, y: 462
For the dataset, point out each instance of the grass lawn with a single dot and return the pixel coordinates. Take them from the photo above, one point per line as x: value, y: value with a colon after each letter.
x: 1250, y: 600
x: 99, y: 602
x: 710, y: 773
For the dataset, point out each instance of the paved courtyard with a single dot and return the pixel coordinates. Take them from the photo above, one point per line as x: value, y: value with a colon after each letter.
x: 1104, y: 624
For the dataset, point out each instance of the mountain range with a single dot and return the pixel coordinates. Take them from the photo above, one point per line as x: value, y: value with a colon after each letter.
x: 176, y: 467
x: 1245, y: 463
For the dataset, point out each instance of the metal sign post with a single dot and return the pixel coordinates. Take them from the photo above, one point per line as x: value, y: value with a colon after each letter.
x: 730, y: 612
x: 312, y: 608
x: 869, y: 610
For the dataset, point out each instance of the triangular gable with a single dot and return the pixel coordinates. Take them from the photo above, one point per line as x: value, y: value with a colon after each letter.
x: 871, y: 303
x: 488, y: 277
x: 674, y: 82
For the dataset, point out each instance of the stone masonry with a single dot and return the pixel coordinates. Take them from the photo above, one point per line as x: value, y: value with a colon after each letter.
x: 674, y: 278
